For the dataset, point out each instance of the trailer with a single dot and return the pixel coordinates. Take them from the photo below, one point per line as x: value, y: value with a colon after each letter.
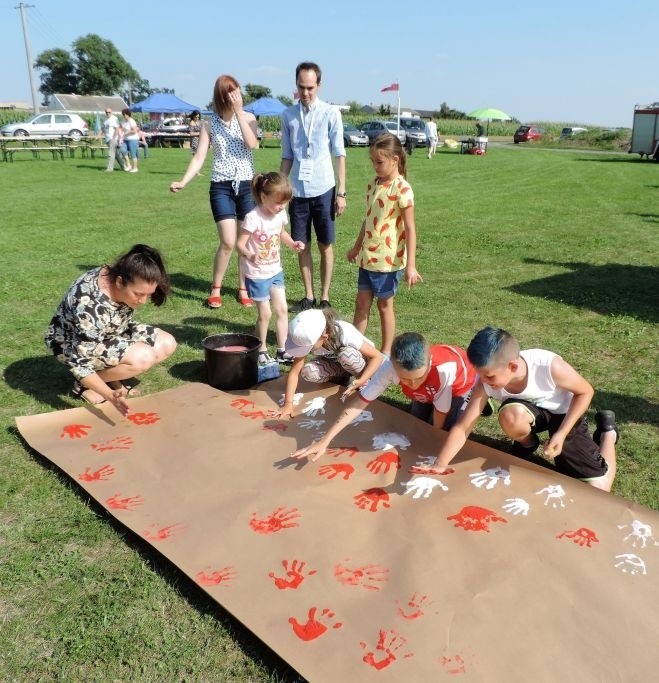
x: 645, y: 132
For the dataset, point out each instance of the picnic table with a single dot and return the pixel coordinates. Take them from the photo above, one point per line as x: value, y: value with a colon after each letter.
x: 59, y: 146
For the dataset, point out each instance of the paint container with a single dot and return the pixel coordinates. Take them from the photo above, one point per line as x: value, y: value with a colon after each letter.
x: 231, y: 360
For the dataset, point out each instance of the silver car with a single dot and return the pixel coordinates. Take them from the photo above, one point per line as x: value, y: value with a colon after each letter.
x: 375, y: 128
x: 353, y: 137
x: 415, y: 129
x: 48, y: 125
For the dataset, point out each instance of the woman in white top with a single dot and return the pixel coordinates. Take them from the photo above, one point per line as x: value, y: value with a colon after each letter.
x: 232, y: 134
x: 131, y: 137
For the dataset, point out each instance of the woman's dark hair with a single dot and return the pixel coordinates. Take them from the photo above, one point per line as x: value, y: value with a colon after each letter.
x: 144, y: 263
x: 334, y: 341
x: 126, y: 111
x: 195, y: 113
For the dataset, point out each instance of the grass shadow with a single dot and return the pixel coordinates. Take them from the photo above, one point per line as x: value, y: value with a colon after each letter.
x: 610, y: 289
x: 42, y: 378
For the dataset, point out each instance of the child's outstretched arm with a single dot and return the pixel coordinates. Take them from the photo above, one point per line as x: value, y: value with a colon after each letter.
x: 374, y: 359
x: 288, y: 241
x: 412, y: 275
x: 354, y: 252
x: 241, y: 246
x: 566, y: 377
x: 291, y: 385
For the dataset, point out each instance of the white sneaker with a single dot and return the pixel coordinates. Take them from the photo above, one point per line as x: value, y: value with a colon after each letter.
x: 133, y: 170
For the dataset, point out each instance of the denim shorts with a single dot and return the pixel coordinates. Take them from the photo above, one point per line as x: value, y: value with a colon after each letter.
x: 319, y: 211
x: 227, y: 203
x: 132, y: 146
x: 383, y: 285
x: 259, y: 290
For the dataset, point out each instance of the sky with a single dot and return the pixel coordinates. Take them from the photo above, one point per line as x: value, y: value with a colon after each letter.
x: 568, y: 62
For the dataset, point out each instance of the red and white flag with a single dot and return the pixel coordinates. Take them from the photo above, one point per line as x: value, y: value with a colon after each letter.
x: 392, y: 87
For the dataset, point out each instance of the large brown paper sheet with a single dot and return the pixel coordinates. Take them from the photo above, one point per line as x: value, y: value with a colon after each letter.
x: 354, y: 569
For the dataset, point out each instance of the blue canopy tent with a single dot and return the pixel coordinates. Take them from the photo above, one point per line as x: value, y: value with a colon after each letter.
x: 164, y: 103
x: 265, y: 106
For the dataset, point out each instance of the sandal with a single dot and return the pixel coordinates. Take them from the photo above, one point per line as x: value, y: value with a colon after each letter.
x: 125, y: 384
x: 243, y: 299
x: 87, y: 395
x: 214, y: 301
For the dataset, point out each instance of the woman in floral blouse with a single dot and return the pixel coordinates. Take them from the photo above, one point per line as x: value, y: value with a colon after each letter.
x: 93, y: 331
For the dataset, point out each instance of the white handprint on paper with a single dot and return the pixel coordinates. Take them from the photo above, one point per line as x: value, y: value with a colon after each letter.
x: 296, y: 399
x: 490, y: 477
x: 422, y: 487
x: 315, y: 406
x: 311, y: 424
x: 639, y: 532
x: 555, y: 494
x: 364, y: 416
x: 517, y: 506
x: 630, y: 564
x: 388, y: 440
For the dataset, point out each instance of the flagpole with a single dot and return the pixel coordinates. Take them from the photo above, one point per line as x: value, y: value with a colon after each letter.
x: 398, y: 115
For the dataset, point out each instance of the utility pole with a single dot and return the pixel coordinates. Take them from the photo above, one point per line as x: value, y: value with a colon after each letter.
x: 35, y: 100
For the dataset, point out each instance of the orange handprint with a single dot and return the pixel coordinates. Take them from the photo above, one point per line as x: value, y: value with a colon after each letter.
x: 474, y: 518
x: 281, y: 518
x: 221, y: 576
x: 333, y: 470
x: 163, y: 533
x: 75, y: 431
x: 582, y: 537
x: 389, y: 642
x: 413, y: 608
x: 241, y: 403
x: 454, y: 665
x: 384, y: 461
x: 100, y: 475
x: 371, y: 498
x: 336, y: 451
x: 313, y: 628
x: 253, y: 414
x: 143, y: 418
x: 128, y: 503
x: 294, y: 574
x: 119, y: 443
x: 367, y: 576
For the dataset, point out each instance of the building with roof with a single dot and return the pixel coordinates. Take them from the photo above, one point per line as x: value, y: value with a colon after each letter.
x: 85, y: 104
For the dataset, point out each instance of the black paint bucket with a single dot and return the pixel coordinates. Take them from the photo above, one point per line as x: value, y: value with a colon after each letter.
x: 232, y: 360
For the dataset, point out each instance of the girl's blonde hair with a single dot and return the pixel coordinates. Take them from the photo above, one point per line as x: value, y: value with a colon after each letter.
x: 270, y: 184
x: 390, y: 146
x: 333, y: 343
x: 223, y: 86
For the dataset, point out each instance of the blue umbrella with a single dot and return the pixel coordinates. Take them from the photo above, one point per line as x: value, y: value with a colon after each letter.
x: 265, y: 106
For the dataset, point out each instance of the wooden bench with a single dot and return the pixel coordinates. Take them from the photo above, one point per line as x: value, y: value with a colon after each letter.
x: 35, y: 152
x: 93, y: 149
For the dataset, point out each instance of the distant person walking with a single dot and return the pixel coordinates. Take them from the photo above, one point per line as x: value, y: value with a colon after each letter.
x: 110, y: 125
x: 433, y: 137
x: 131, y: 137
x: 311, y: 132
x: 195, y: 129
x: 232, y: 133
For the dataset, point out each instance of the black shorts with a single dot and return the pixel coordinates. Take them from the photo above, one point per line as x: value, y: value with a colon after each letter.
x: 581, y: 457
x: 231, y: 200
x: 319, y: 211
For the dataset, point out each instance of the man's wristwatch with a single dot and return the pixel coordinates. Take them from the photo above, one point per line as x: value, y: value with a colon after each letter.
x: 343, y: 195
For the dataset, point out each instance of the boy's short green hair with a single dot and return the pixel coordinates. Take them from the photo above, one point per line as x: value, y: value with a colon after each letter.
x: 492, y: 347
x: 410, y: 350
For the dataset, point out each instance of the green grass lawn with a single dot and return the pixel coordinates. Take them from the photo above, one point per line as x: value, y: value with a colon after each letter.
x: 558, y: 248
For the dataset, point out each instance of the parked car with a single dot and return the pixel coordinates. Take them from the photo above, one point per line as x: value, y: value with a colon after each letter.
x: 48, y: 125
x: 353, y: 137
x: 572, y: 132
x: 375, y: 128
x: 173, y: 125
x: 415, y: 130
x: 528, y: 133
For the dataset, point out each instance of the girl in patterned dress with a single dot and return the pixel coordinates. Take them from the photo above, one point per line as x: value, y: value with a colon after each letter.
x: 386, y: 244
x: 232, y: 134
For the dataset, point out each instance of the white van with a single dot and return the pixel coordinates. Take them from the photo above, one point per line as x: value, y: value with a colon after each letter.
x: 571, y: 132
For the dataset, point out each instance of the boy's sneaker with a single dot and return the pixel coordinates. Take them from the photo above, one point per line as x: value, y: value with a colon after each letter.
x: 305, y: 304
x: 605, y: 421
x: 525, y: 451
x: 283, y: 357
x: 265, y: 358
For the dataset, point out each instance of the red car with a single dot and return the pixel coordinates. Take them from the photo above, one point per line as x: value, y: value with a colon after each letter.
x: 527, y: 133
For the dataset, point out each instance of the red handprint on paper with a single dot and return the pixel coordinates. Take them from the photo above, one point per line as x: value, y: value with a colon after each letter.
x: 143, y: 418
x: 128, y: 503
x: 313, y: 628
x: 281, y: 518
x: 333, y: 470
x: 453, y: 665
x: 75, y: 431
x: 337, y: 451
x: 384, y: 461
x: 474, y: 518
x: 367, y: 576
x: 100, y: 475
x: 371, y: 498
x: 412, y: 609
x: 294, y: 574
x: 278, y: 427
x: 389, y: 642
x: 119, y: 443
x: 163, y: 533
x: 253, y: 414
x: 221, y: 576
x: 241, y: 403
x: 582, y: 537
